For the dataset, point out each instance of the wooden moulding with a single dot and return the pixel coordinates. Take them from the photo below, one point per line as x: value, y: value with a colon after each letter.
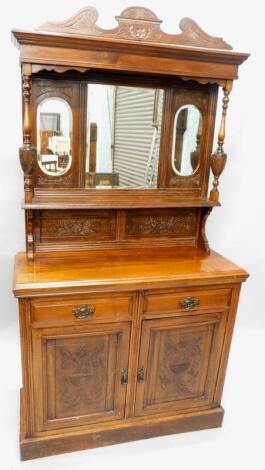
x: 137, y: 44
x: 125, y: 431
x: 114, y: 199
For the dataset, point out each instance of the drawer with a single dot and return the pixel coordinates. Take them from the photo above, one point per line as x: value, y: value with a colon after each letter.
x: 78, y: 310
x: 186, y: 301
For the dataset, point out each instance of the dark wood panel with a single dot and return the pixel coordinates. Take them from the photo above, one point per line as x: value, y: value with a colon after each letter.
x: 178, y: 363
x: 164, y: 223
x: 65, y: 226
x: 74, y: 93
x: 77, y: 374
x: 204, y: 97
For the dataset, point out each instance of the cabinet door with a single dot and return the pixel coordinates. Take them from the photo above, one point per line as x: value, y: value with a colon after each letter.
x: 79, y: 374
x: 178, y: 363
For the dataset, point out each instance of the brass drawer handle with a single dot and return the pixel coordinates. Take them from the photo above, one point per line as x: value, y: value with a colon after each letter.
x: 84, y: 311
x: 189, y: 303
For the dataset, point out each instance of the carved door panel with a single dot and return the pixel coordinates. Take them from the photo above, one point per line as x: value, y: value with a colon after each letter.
x: 79, y: 374
x: 178, y: 363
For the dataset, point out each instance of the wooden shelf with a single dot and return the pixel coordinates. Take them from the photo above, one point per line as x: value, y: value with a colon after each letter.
x: 114, y: 199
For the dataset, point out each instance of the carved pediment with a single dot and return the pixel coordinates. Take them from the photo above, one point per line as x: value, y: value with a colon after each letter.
x: 136, y: 24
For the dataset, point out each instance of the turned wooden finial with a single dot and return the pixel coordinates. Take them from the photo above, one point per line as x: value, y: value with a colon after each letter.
x: 27, y: 153
x: 218, y: 159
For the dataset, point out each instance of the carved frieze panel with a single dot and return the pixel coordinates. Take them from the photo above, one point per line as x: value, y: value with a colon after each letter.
x: 164, y: 223
x: 75, y: 226
x: 53, y: 89
x: 138, y: 24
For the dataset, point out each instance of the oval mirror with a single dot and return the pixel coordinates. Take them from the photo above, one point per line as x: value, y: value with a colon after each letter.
x: 186, y: 140
x: 54, y: 135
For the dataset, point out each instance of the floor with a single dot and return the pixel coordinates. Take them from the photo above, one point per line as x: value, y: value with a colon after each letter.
x: 239, y: 444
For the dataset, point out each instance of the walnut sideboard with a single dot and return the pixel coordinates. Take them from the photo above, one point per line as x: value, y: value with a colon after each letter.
x: 126, y: 314
x: 132, y: 348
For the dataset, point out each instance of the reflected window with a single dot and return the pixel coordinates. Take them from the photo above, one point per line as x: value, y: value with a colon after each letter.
x: 123, y: 136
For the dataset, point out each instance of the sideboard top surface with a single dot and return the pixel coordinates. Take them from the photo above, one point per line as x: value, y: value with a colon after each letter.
x: 123, y: 270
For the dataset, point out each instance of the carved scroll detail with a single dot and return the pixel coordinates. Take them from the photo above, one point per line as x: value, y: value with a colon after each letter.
x: 202, y: 239
x: 136, y: 23
x: 218, y: 159
x: 181, y: 224
x: 81, y: 226
x: 27, y: 153
x: 65, y: 179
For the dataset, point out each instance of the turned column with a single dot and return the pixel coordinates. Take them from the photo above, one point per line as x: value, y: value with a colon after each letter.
x: 218, y: 159
x: 27, y: 153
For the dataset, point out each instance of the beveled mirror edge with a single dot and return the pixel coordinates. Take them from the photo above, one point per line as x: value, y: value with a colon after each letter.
x: 68, y: 108
x: 196, y: 169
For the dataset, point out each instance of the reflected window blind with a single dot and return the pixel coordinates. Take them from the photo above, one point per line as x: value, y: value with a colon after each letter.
x: 133, y: 133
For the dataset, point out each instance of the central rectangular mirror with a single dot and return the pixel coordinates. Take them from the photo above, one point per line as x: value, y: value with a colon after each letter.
x: 123, y: 129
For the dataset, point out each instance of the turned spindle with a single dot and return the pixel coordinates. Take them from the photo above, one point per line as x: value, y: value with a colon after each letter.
x: 218, y: 159
x: 27, y: 153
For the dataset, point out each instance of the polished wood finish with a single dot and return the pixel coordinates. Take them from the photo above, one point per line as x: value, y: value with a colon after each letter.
x: 82, y: 383
x: 126, y: 314
x: 147, y: 293
x: 179, y: 361
x: 218, y: 159
x: 184, y: 266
